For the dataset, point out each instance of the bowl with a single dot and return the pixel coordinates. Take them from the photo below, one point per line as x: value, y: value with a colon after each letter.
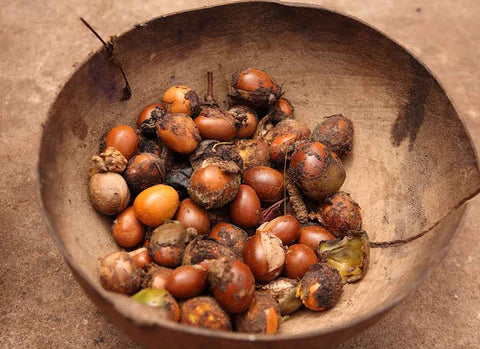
x: 412, y: 168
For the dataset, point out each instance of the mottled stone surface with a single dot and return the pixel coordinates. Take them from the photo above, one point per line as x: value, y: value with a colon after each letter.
x: 41, y: 43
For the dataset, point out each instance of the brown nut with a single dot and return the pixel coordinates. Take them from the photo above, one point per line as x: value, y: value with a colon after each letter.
x: 193, y: 216
x: 282, y: 110
x: 281, y: 147
x: 265, y: 255
x: 155, y: 276
x: 178, y: 178
x: 212, y: 123
x: 336, y: 132
x: 124, y: 139
x: 263, y: 316
x: 109, y: 193
x: 245, y: 209
x: 246, y: 120
x: 204, y: 312
x: 178, y: 132
x: 298, y: 259
x: 286, y: 228
x: 254, y: 152
x: 141, y: 257
x: 231, y: 236
x: 181, y: 99
x: 316, y: 171
x: 156, y: 204
x: 313, y: 235
x: 267, y: 182
x: 152, y: 111
x: 320, y: 287
x: 294, y: 126
x: 118, y: 273
x: 203, y: 248
x: 233, y: 284
x: 255, y: 88
x: 143, y: 171
x: 341, y: 214
x: 283, y: 290
x: 186, y: 281
x: 127, y: 230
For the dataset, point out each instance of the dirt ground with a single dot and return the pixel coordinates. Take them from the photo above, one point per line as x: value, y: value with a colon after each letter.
x: 41, y: 43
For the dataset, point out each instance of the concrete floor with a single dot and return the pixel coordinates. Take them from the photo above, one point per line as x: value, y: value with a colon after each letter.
x: 41, y: 42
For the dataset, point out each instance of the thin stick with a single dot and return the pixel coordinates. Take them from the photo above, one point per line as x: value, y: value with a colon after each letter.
x: 96, y: 34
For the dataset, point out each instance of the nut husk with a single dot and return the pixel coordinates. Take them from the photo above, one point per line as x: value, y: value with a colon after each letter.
x: 202, y: 248
x: 109, y: 193
x: 283, y: 290
x: 118, y: 273
x: 254, y: 152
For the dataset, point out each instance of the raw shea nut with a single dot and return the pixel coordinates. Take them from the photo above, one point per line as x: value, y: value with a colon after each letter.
x: 286, y: 228
x: 211, y: 151
x: 167, y: 244
x: 123, y: 138
x: 265, y: 255
x: 109, y: 193
x: 161, y: 300
x: 313, y: 235
x: 282, y: 110
x: 187, y: 281
x: 143, y: 171
x: 111, y: 160
x: 155, y: 276
x: 336, y: 132
x: 205, y: 312
x: 141, y: 257
x: 263, y: 316
x: 202, y: 248
x: 267, y: 182
x: 254, y: 152
x: 316, y: 171
x: 230, y: 236
x: 245, y: 209
x: 246, y: 120
x: 178, y: 132
x: 293, y: 126
x: 127, y: 230
x: 193, y: 216
x: 320, y: 287
x: 283, y: 290
x: 341, y: 214
x: 212, y: 123
x: 118, y: 273
x: 181, y: 99
x: 156, y: 204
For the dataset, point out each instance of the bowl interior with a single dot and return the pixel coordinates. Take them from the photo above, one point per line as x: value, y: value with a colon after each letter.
x: 411, y: 168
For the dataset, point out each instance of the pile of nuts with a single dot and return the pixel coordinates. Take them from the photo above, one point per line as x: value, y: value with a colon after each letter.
x: 229, y: 219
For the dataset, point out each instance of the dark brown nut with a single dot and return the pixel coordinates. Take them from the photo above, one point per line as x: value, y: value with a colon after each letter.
x: 168, y: 242
x: 212, y: 187
x: 143, y: 171
x: 181, y: 99
x: 341, y: 214
x: 161, y: 300
x: 193, y: 216
x: 254, y: 152
x: 246, y: 120
x: 263, y: 316
x: 298, y: 259
x: 316, y: 171
x: 202, y: 248
x: 156, y: 147
x: 230, y: 236
x: 255, y: 88
x: 187, y: 281
x: 127, y: 230
x: 265, y: 255
x: 233, y: 284
x: 178, y: 132
x: 336, y: 132
x: 282, y: 110
x: 286, y: 228
x: 178, y: 178
x: 123, y: 138
x: 118, y: 273
x: 267, y: 182
x: 205, y: 312
x: 350, y: 256
x: 212, y: 123
x: 320, y: 287
x: 313, y: 235
x: 245, y: 209
x: 283, y: 290
x: 148, y: 118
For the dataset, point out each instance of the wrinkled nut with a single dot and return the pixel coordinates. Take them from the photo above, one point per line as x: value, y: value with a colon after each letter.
x: 159, y: 299
x: 109, y: 193
x: 267, y: 182
x: 123, y: 138
x: 254, y: 152
x: 212, y: 187
x: 245, y: 209
x: 141, y: 257
x: 320, y: 287
x: 143, y: 171
x: 298, y: 259
x: 283, y: 290
x: 155, y: 276
x: 181, y: 99
x: 341, y: 214
x: 167, y: 244
x: 336, y: 132
x: 265, y: 255
x: 205, y: 312
x: 230, y: 236
x: 127, y: 230
x: 255, y: 88
x: 118, y: 273
x: 111, y: 160
x: 263, y: 316
x: 178, y: 132
x: 245, y: 119
x: 316, y: 171
x: 286, y: 228
x: 350, y: 256
x: 193, y: 216
x: 186, y: 281
x: 282, y: 110
x: 212, y: 123
x: 156, y: 204
x: 203, y: 248
x: 313, y: 235
x: 233, y: 284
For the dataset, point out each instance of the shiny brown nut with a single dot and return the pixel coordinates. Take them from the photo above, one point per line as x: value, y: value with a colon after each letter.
x: 245, y: 209
x: 127, y: 230
x: 124, y: 139
x: 181, y: 99
x: 286, y: 228
x: 298, y: 259
x: 186, y: 281
x: 255, y: 88
x: 313, y: 235
x: 212, y: 123
x: 193, y: 216
x: 265, y: 255
x: 143, y: 171
x: 267, y: 182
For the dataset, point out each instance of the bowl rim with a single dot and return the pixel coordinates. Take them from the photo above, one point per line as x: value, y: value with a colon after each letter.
x: 377, y: 313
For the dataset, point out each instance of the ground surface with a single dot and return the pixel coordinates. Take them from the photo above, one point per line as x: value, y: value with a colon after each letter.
x: 41, y: 42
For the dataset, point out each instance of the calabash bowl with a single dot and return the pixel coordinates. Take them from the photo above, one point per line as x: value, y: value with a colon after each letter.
x: 412, y: 168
